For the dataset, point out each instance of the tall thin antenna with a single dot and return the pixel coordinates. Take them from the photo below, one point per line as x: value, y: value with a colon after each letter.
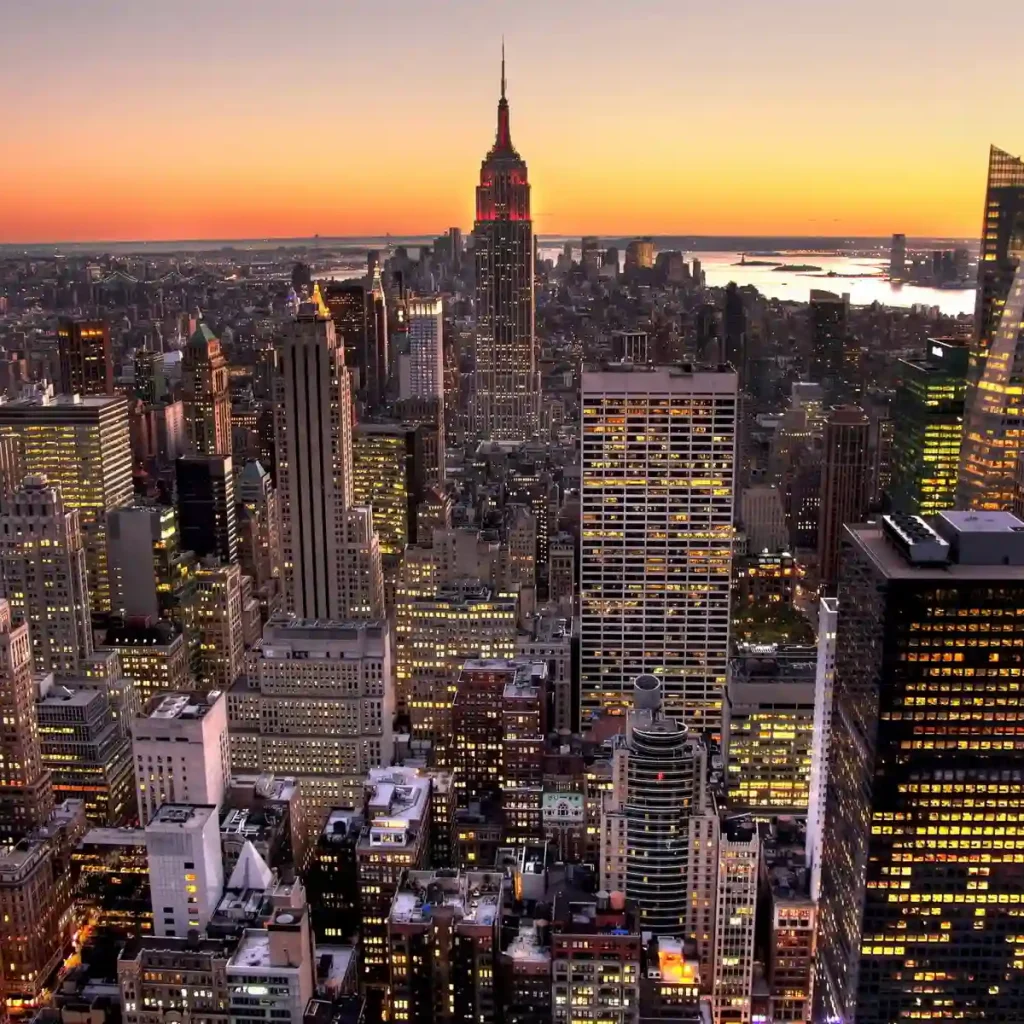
x: 503, y: 66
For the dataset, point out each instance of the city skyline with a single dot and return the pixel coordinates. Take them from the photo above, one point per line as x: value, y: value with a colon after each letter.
x: 820, y: 126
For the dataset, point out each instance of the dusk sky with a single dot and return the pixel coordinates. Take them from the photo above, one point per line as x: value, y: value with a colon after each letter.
x: 249, y: 118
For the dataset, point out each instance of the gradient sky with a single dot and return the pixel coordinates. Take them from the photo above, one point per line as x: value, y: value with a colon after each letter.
x: 135, y: 119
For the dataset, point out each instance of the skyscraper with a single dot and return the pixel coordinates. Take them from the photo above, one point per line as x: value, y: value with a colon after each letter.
x: 207, y: 518
x: 657, y: 524
x: 42, y: 574
x: 332, y: 567
x: 845, y: 483
x: 86, y: 363
x: 26, y: 798
x: 928, y: 423
x: 992, y: 424
x: 82, y: 444
x: 426, y: 350
x: 506, y: 389
x: 828, y: 313
x: 898, y: 258
x: 922, y: 871
x: 204, y: 375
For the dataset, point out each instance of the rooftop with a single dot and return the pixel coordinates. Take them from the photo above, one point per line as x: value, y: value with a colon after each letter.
x: 526, y: 944
x: 186, y: 706
x: 474, y: 897
x: 171, y: 816
x: 397, y: 801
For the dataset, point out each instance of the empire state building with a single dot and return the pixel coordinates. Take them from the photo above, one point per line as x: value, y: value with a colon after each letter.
x: 506, y: 387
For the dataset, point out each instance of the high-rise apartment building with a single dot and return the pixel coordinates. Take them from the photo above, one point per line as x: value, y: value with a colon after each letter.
x: 82, y: 445
x: 443, y: 931
x: 42, y: 574
x: 845, y: 484
x: 927, y: 429
x: 207, y: 518
x: 394, y: 840
x: 214, y: 617
x: 316, y: 703
x: 26, y: 797
x: 506, y: 388
x: 828, y: 325
x: 768, y: 733
x: 332, y: 566
x: 204, y: 377
x: 657, y: 526
x: 733, y: 970
x: 921, y: 869
x: 86, y: 362
x: 180, y: 749
x: 992, y: 417
x: 426, y: 350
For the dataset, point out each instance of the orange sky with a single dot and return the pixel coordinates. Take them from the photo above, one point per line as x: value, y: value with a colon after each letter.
x: 229, y: 119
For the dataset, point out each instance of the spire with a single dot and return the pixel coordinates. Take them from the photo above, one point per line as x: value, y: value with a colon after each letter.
x: 503, y: 139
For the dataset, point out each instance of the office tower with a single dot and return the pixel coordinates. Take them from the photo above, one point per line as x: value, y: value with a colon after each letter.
x: 347, y: 302
x: 86, y: 362
x: 113, y: 880
x: 158, y: 435
x: 331, y: 883
x: 80, y: 444
x: 207, y: 518
x: 524, y: 728
x: 26, y: 797
x: 388, y: 477
x: 277, y: 958
x: 657, y: 510
x: 660, y: 786
x: 898, y: 258
x: 734, y: 333
x: 316, y: 703
x: 379, y: 355
x: 36, y: 896
x: 150, y: 574
x: 733, y: 969
x: 259, y: 529
x: 927, y: 429
x: 992, y: 433
x: 590, y: 256
x: 595, y: 961
x: 426, y: 351
x: 154, y: 655
x: 442, y: 932
x: 42, y: 573
x: 436, y: 632
x: 180, y: 749
x: 562, y: 568
x: 186, y: 873
x: 332, y: 564
x: 213, y: 614
x: 427, y: 415
x: 87, y: 750
x: 639, y: 255
x: 828, y: 324
x: 923, y: 824
x: 631, y: 347
x: 791, y: 928
x: 395, y: 838
x: 763, y: 518
x: 506, y: 387
x: 550, y: 639
x: 845, y: 484
x: 768, y: 732
x: 204, y: 378
x: 824, y: 677
x: 186, y: 972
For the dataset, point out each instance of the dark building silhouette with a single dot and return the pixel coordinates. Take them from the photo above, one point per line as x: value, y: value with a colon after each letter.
x: 206, y: 506
x: 86, y: 363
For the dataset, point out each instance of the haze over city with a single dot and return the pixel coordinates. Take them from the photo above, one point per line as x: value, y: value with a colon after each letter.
x: 249, y: 119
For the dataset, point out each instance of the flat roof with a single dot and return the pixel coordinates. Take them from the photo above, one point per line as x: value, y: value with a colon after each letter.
x: 168, y: 706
